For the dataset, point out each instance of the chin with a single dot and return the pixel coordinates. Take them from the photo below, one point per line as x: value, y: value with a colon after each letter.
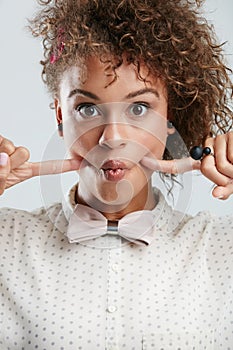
x: 117, y: 193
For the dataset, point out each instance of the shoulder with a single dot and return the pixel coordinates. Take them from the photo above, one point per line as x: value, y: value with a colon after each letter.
x: 207, y: 242
x: 210, y: 233
x: 11, y: 215
x: 219, y: 252
x: 16, y: 223
x: 215, y: 240
x: 217, y: 227
x: 220, y: 235
x: 209, y: 223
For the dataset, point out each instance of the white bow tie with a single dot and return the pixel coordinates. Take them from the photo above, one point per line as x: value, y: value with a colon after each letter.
x: 87, y: 223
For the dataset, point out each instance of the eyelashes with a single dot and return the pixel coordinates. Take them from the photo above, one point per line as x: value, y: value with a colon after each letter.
x: 138, y: 109
x: 88, y: 110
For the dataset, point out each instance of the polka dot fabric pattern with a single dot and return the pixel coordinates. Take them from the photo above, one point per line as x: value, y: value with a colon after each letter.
x: 176, y: 293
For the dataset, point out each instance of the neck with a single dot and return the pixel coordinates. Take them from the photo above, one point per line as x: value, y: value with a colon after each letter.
x: 144, y: 200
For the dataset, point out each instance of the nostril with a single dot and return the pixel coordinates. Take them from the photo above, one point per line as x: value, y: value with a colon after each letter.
x: 113, y: 136
x: 112, y: 143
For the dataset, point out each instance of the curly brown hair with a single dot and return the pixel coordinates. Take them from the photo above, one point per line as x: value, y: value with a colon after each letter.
x: 171, y: 37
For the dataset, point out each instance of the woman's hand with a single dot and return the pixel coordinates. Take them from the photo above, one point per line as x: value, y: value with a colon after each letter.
x: 15, y: 168
x: 217, y: 168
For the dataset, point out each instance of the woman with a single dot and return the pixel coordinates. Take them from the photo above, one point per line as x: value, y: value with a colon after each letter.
x: 114, y: 267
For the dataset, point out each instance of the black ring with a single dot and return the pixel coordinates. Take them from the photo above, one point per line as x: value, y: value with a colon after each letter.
x: 197, y: 152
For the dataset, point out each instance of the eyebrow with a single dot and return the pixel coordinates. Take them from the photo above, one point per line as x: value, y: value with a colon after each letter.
x: 84, y: 93
x: 142, y: 92
x: 130, y: 95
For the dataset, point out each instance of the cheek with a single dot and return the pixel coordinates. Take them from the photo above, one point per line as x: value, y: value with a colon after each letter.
x: 155, y: 147
x: 82, y: 144
x: 155, y: 141
x: 158, y: 150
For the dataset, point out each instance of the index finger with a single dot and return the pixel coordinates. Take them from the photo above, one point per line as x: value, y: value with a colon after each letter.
x: 50, y: 167
x: 175, y: 166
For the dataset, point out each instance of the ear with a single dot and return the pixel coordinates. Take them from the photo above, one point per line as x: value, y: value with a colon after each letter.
x: 58, y: 116
x: 170, y: 128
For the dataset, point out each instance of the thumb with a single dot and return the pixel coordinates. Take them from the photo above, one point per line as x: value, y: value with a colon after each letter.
x: 223, y: 192
x: 175, y: 166
x: 55, y: 167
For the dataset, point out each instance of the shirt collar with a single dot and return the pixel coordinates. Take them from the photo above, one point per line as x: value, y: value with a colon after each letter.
x: 163, y: 214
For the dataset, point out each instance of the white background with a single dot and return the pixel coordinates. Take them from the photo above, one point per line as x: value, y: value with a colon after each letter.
x: 26, y: 119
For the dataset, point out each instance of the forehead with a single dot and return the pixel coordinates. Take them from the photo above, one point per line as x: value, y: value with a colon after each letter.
x: 96, y: 75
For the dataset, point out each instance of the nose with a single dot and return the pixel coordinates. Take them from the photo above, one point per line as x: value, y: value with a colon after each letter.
x: 113, y: 136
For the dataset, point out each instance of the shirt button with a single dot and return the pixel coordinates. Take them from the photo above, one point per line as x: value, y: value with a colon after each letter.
x: 112, y: 308
x: 115, y: 267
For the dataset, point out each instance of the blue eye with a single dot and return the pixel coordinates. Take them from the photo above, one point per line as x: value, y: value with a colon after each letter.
x: 88, y: 110
x: 138, y: 109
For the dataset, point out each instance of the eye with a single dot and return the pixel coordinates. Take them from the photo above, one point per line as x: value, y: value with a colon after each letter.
x: 88, y: 110
x: 138, y: 109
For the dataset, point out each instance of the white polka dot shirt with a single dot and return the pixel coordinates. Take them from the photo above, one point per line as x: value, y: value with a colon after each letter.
x: 109, y: 294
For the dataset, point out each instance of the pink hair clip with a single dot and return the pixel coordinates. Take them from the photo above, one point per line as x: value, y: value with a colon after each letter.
x: 56, y: 54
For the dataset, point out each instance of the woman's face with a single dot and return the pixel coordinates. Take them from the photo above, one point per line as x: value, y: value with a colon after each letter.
x: 111, y: 125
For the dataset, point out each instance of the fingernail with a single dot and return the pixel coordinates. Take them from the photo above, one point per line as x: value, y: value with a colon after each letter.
x: 3, y: 159
x: 220, y: 197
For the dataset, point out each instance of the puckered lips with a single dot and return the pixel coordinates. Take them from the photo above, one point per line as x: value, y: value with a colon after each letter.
x: 114, y: 170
